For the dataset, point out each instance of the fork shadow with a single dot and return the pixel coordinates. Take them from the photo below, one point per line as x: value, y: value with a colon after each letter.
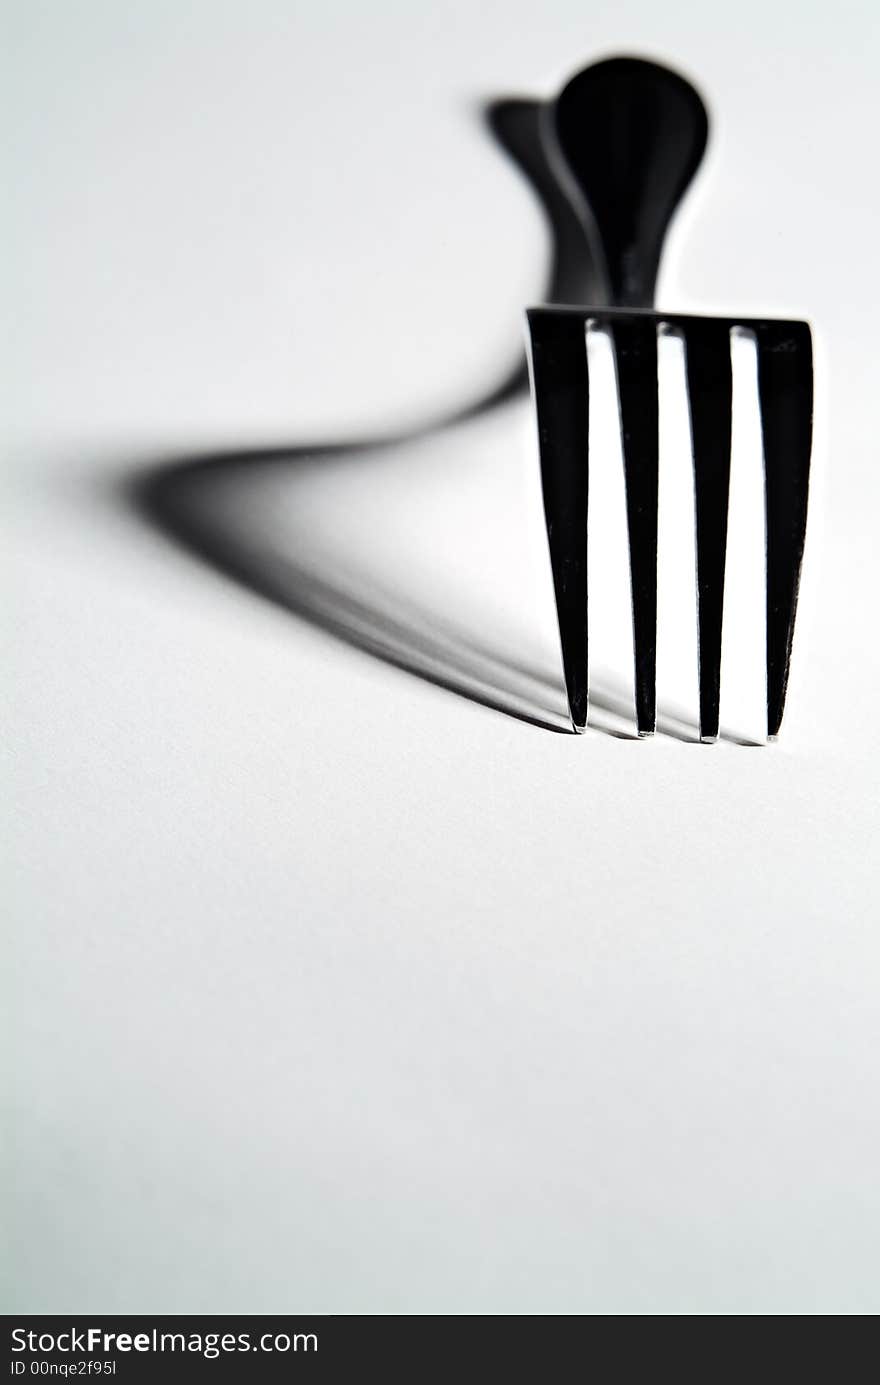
x: 200, y: 501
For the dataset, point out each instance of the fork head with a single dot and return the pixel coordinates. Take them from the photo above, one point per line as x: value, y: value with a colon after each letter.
x: 561, y: 391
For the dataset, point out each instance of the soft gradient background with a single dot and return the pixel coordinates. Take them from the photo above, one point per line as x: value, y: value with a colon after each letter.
x: 331, y: 990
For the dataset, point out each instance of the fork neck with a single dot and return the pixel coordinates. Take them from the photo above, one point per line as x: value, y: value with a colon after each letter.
x: 632, y: 135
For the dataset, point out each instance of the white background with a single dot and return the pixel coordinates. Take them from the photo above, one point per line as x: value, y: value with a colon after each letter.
x: 333, y: 990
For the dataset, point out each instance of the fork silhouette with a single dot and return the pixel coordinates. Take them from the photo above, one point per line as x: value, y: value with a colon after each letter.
x: 627, y: 137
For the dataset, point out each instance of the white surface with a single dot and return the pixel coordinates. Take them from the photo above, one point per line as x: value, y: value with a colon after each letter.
x: 330, y: 989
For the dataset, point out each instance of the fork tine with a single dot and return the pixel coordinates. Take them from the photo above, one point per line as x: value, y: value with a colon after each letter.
x: 710, y: 392
x: 635, y: 351
x: 785, y: 391
x: 560, y: 382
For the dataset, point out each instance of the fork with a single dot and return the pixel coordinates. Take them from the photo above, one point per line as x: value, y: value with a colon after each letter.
x: 626, y: 137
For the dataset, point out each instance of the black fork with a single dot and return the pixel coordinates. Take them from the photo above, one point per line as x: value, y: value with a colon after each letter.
x: 628, y: 138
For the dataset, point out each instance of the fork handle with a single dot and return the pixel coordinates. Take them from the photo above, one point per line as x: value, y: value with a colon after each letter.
x: 632, y: 135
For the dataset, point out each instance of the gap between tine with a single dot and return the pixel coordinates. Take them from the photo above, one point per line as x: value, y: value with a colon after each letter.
x: 710, y: 394
x: 560, y: 383
x: 635, y: 351
x: 785, y: 392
